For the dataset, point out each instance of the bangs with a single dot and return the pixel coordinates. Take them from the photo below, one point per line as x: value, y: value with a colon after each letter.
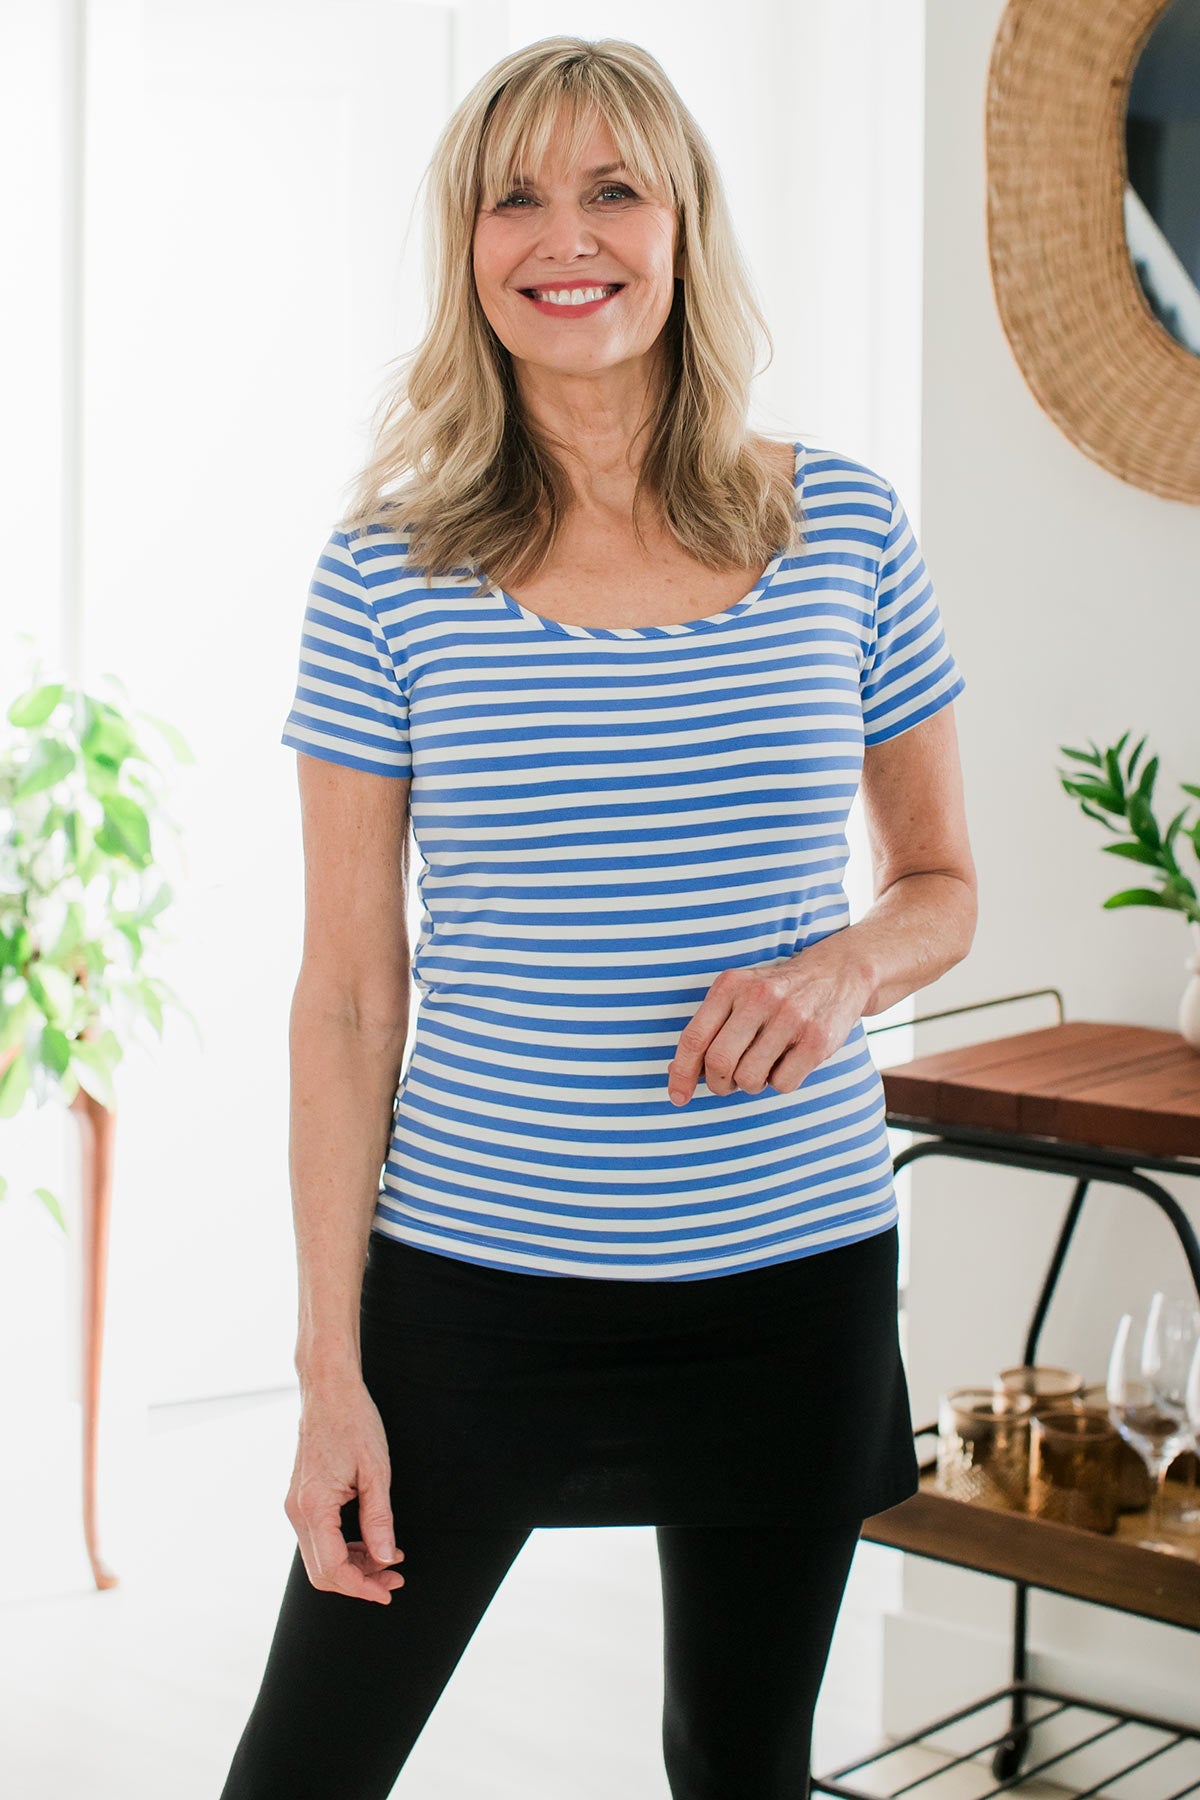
x: 558, y: 108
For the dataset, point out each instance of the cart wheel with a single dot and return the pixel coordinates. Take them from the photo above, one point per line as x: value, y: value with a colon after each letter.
x: 1010, y: 1754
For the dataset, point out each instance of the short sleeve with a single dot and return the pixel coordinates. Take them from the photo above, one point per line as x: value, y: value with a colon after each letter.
x: 350, y: 705
x: 908, y: 673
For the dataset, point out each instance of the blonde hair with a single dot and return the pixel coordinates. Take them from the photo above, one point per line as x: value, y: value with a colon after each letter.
x: 484, y: 490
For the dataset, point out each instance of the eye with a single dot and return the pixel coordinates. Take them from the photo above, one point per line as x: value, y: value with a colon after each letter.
x: 610, y: 187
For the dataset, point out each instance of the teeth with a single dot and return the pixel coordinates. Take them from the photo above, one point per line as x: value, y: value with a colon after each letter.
x: 573, y: 296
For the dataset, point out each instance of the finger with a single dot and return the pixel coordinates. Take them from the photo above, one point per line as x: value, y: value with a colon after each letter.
x: 756, y: 1000
x: 368, y: 1566
x: 724, y: 1055
x: 781, y: 1036
x: 792, y: 1070
x: 683, y: 1071
x: 375, y: 1515
x: 335, y: 1566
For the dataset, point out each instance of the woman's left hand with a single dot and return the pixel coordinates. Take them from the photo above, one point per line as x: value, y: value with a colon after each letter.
x: 771, y: 1025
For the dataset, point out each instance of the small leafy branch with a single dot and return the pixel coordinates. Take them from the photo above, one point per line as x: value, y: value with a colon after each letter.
x: 1112, y: 790
x: 80, y: 895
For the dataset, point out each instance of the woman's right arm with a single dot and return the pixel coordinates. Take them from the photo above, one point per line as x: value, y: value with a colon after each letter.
x: 348, y: 1029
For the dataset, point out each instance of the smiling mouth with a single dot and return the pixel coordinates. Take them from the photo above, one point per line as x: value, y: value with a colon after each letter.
x: 603, y: 291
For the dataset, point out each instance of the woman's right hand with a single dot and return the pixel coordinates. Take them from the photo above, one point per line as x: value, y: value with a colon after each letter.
x: 342, y: 1454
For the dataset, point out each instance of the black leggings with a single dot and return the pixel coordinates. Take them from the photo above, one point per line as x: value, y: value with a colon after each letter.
x: 748, y: 1617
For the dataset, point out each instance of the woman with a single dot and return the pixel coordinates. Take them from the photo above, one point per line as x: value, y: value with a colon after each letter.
x: 633, y: 1256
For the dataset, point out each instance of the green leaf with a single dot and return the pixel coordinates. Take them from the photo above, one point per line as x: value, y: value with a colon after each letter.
x: 1116, y: 780
x: 1106, y: 797
x: 1146, y: 785
x: 55, y: 1052
x: 1169, y: 839
x: 151, y: 1003
x: 50, y: 761
x: 1141, y: 819
x: 1136, y: 852
x: 126, y: 830
x: 57, y: 997
x: 71, y: 933
x: 162, y: 898
x: 3, y: 1186
x: 169, y: 994
x: 91, y: 1070
x: 23, y: 1015
x: 51, y: 1205
x: 1136, y: 897
x: 1099, y: 817
x: 1173, y: 827
x: 14, y: 1085
x: 130, y: 932
x: 1189, y: 789
x: 1085, y: 756
x: 174, y: 737
x: 35, y: 706
x: 1131, y: 765
x: 80, y: 839
x: 106, y: 740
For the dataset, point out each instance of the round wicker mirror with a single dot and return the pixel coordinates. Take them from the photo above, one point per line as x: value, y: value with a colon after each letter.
x: 1095, y: 356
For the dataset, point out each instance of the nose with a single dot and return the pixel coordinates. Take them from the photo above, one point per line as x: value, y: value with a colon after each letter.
x: 565, y: 234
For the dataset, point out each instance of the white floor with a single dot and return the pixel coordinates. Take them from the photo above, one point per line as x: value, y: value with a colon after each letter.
x: 141, y: 1692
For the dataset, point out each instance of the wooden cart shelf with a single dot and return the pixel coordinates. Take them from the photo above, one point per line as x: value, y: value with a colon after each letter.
x: 1117, y: 1571
x: 1080, y: 1085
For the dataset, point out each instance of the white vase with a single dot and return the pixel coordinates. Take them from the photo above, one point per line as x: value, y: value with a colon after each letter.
x: 1189, y: 1006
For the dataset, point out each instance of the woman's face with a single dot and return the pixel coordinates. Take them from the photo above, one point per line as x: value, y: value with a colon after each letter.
x: 562, y: 232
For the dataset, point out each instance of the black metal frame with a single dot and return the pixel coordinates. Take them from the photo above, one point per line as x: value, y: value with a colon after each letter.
x: 1026, y: 1690
x: 1084, y: 1165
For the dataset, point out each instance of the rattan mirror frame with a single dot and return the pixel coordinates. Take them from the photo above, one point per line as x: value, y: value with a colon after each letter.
x: 1097, y: 360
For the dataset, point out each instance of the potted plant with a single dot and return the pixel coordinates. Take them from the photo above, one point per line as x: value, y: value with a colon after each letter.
x: 1109, y: 793
x: 81, y: 898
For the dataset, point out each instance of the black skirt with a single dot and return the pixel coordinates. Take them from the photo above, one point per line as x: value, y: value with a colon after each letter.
x: 771, y: 1396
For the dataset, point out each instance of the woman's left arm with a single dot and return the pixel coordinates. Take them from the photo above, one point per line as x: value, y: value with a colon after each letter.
x: 926, y: 891
x: 773, y: 1025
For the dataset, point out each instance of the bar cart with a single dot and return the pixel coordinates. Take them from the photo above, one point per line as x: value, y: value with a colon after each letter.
x: 1096, y: 1103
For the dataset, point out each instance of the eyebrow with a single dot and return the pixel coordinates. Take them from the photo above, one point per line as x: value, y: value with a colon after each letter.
x: 601, y: 169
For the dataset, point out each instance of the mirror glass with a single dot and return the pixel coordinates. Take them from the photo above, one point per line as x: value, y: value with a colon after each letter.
x: 1162, y: 147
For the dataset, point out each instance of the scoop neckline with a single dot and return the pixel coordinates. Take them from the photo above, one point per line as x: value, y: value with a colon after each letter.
x: 559, y: 628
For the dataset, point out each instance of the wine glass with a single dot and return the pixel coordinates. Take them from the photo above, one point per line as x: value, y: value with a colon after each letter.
x: 1148, y: 1376
x: 1191, y: 1397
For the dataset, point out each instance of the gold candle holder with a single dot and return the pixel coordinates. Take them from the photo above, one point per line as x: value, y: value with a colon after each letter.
x: 983, y: 1447
x: 1073, y: 1468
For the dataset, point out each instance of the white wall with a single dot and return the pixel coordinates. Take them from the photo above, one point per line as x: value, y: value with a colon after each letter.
x: 1072, y: 598
x: 38, y: 364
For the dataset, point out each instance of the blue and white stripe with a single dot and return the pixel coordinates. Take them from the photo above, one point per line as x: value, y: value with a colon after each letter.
x: 607, y: 819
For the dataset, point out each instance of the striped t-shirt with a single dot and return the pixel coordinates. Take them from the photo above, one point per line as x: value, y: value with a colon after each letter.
x: 607, y: 818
